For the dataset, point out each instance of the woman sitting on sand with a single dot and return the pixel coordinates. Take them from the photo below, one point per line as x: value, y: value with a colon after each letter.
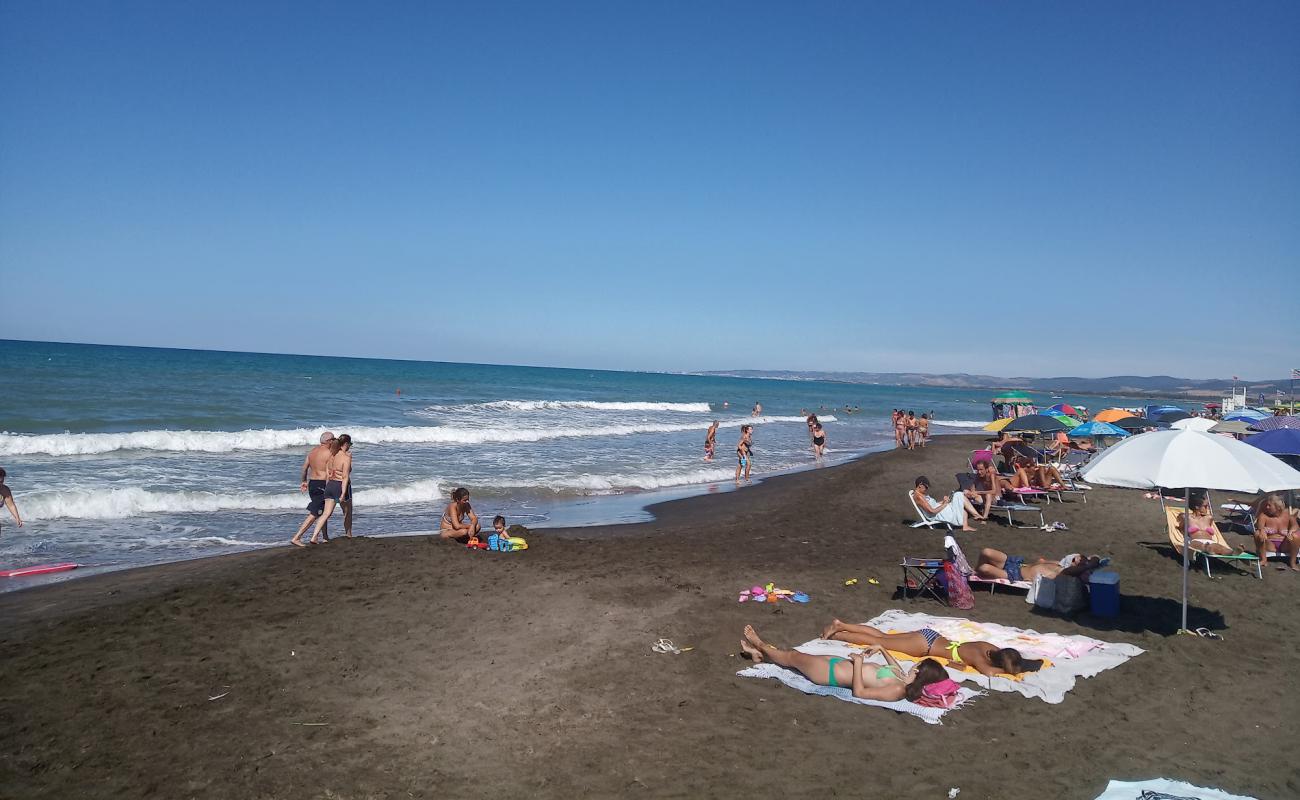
x: 1199, y: 529
x: 868, y: 681
x: 954, y: 510
x: 997, y: 564
x: 459, y: 521
x: 1275, y: 530
x: 984, y: 657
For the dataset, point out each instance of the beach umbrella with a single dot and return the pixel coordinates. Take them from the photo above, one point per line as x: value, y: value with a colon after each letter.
x: 1016, y: 398
x: 1273, y: 423
x: 1040, y: 423
x: 1234, y: 426
x: 1067, y: 421
x: 999, y: 424
x: 1193, y: 424
x: 1279, y: 442
x: 1064, y: 408
x: 1155, y: 411
x: 1112, y: 414
x: 1171, y: 416
x: 1139, y: 423
x: 1186, y: 460
x: 1096, y: 428
x: 1245, y: 415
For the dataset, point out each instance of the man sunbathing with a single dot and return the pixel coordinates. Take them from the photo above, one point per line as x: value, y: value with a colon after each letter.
x: 997, y: 564
x: 868, y: 681
x: 984, y: 657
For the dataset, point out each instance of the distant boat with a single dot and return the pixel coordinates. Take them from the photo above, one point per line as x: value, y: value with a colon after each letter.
x: 1056, y: 397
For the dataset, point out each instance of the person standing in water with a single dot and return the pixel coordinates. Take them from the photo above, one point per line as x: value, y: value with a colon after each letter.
x: 744, y: 452
x: 818, y: 436
x: 313, y: 483
x: 711, y: 441
x: 7, y: 496
x: 758, y: 409
x: 338, y: 485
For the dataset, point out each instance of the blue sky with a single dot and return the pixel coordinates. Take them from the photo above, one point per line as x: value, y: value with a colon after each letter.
x: 1008, y: 188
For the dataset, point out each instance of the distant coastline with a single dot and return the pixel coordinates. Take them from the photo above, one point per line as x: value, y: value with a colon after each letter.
x: 1163, y: 386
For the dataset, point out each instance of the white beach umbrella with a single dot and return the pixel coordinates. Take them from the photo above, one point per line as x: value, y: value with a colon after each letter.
x: 1189, y: 459
x: 1194, y: 424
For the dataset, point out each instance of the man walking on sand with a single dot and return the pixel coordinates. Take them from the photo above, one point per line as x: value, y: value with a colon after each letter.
x: 313, y: 483
x: 7, y: 497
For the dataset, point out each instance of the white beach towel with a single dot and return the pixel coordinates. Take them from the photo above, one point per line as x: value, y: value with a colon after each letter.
x: 796, y: 680
x: 1132, y: 790
x: 1072, y: 657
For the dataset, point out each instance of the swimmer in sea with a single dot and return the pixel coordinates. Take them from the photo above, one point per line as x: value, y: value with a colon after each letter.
x: 711, y: 441
x: 758, y: 409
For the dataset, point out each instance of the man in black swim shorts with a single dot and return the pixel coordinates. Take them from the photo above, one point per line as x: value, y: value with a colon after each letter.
x: 313, y: 483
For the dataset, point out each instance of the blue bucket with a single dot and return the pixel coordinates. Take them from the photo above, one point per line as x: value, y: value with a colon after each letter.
x: 1103, y: 593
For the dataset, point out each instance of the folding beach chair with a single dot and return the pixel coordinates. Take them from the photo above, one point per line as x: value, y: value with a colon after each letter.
x: 1177, y: 539
x: 966, y: 480
x: 921, y: 575
x: 927, y: 520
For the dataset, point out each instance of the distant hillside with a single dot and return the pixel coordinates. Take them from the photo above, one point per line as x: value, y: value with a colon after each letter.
x: 1161, y: 385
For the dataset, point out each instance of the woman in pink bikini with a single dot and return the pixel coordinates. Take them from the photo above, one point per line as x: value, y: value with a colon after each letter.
x: 1199, y: 530
x: 1275, y: 530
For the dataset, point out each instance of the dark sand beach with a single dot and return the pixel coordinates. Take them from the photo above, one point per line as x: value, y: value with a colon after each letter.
x: 394, y: 668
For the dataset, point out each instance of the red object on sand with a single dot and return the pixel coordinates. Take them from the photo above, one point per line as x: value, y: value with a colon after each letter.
x: 37, y: 570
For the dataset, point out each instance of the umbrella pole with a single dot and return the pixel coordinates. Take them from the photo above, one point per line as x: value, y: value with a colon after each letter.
x: 1187, y: 545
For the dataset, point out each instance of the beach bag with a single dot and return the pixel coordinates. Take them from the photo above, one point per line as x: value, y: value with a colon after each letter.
x: 959, y: 593
x: 1071, y: 595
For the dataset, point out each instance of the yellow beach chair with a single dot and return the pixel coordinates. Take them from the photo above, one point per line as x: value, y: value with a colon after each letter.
x: 1176, y: 539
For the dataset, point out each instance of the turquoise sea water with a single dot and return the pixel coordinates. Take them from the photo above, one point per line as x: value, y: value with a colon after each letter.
x: 121, y: 456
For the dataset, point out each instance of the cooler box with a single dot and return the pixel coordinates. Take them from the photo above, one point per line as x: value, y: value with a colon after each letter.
x: 1103, y: 593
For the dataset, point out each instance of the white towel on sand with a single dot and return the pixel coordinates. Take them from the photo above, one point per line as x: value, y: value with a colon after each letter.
x: 796, y: 680
x: 1072, y: 656
x: 1130, y: 790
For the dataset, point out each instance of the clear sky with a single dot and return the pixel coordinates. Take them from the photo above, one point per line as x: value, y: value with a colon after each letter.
x: 1009, y: 188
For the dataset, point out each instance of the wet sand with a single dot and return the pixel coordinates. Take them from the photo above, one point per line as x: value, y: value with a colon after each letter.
x: 394, y: 668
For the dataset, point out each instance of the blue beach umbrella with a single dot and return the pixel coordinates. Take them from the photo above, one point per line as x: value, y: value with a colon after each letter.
x: 1098, y: 429
x: 1245, y: 415
x: 1279, y: 442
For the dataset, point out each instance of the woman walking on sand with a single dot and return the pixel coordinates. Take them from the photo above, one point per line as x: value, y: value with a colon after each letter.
x: 900, y: 429
x: 338, y: 486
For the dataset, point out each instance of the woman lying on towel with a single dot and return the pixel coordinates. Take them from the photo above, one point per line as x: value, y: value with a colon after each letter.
x: 868, y: 681
x: 997, y: 564
x: 954, y: 510
x: 984, y: 657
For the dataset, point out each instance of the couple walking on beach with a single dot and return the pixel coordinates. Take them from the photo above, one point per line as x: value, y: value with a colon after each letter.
x: 327, y: 480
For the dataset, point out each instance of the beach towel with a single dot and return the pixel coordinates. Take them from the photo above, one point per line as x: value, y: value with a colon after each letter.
x: 1071, y: 657
x: 1164, y: 788
x: 796, y: 680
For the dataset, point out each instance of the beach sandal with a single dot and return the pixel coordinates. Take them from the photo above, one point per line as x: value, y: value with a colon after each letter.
x: 665, y: 646
x: 1206, y: 633
x: 1059, y: 526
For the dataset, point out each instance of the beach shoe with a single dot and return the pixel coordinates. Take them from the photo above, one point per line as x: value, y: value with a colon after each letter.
x: 1206, y: 633
x: 665, y: 646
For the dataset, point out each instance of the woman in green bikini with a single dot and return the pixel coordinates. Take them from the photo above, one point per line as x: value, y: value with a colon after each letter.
x: 868, y: 681
x: 985, y: 658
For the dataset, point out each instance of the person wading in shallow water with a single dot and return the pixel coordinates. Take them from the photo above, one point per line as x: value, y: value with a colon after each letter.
x: 7, y: 496
x: 338, y: 485
x: 313, y: 483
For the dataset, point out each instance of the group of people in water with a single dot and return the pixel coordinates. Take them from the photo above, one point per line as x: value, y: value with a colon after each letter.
x: 910, y: 431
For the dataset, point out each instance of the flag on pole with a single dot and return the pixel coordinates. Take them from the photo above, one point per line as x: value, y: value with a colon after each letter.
x: 1295, y: 374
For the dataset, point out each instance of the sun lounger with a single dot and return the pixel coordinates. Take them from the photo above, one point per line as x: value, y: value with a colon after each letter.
x: 927, y: 520
x: 966, y: 480
x: 1176, y: 539
x: 958, y: 557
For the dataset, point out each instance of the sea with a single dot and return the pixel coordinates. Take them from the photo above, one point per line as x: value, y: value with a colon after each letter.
x: 126, y: 456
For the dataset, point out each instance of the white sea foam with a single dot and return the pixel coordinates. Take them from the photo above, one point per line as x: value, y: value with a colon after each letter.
x: 135, y: 502
x: 570, y: 405
x: 958, y: 423
x: 64, y: 444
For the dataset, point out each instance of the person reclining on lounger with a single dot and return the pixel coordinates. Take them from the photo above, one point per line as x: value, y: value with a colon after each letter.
x: 1200, y: 531
x: 1275, y: 529
x: 1026, y: 472
x: 985, y: 658
x: 868, y: 681
x: 997, y: 564
x: 954, y: 510
x: 989, y: 486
